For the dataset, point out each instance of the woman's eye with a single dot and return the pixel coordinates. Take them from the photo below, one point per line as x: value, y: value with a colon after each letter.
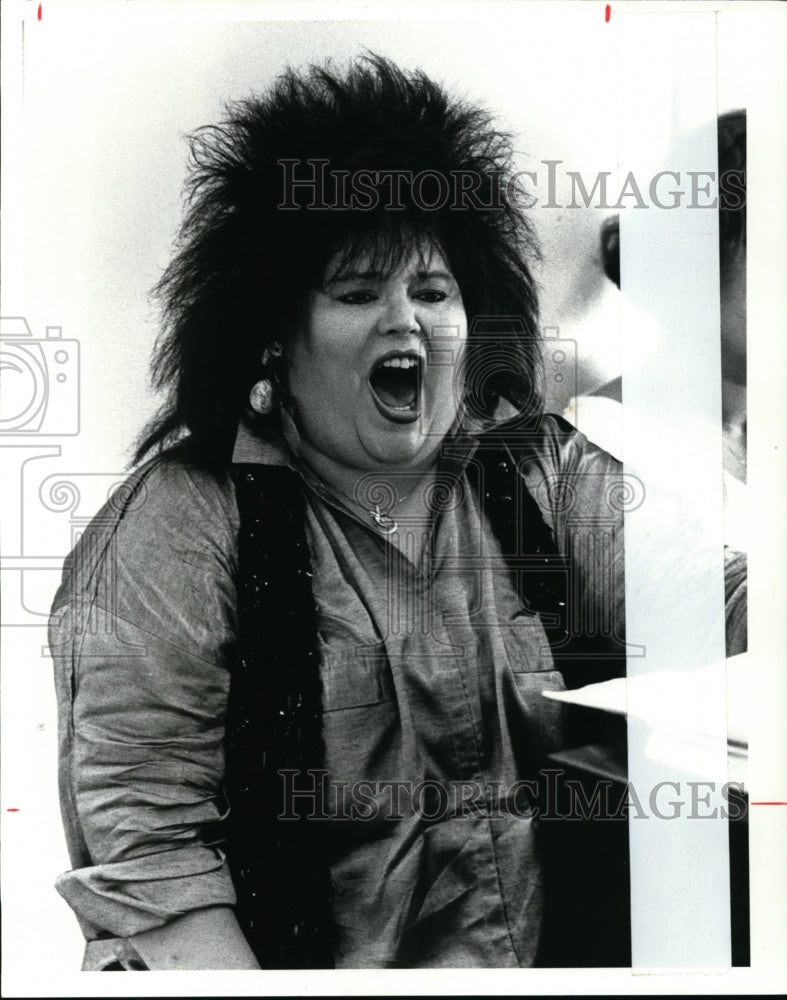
x: 432, y: 295
x: 356, y: 298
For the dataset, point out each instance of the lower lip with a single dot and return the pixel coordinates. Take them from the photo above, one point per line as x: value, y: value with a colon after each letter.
x: 394, y: 415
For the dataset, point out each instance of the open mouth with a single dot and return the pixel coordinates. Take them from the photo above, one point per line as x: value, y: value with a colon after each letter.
x: 395, y: 382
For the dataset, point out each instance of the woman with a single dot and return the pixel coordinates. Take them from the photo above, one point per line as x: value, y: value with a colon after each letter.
x: 300, y: 660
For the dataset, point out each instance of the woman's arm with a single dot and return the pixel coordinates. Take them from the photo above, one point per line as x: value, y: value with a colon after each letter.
x: 202, y: 939
x: 143, y: 639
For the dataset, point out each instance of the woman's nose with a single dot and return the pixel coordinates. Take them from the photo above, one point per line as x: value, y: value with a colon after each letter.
x: 399, y: 314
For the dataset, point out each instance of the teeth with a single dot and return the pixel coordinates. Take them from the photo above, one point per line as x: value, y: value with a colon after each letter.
x: 400, y: 363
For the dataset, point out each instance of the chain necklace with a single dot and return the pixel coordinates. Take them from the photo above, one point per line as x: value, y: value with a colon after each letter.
x: 383, y: 519
x: 387, y: 524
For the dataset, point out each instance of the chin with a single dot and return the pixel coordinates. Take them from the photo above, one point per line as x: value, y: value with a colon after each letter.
x: 405, y: 445
x: 406, y: 453
x: 399, y: 458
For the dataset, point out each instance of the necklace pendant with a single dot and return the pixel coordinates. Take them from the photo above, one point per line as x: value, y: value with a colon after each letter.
x: 384, y: 522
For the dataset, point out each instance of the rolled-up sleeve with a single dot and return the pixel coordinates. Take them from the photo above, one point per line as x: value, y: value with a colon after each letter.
x: 143, y: 637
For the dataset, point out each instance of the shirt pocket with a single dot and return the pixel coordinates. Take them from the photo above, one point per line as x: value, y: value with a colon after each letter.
x: 354, y: 672
x: 532, y: 672
x: 526, y: 644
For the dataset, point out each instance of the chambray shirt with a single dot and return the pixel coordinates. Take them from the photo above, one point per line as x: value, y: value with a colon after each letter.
x: 433, y: 710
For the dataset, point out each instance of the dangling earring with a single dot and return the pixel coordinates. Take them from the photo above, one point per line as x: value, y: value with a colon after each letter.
x: 261, y: 397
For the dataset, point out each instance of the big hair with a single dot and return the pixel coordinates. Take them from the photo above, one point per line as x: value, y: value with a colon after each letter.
x: 245, y: 267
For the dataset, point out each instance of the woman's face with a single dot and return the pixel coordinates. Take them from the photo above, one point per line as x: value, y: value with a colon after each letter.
x: 371, y: 373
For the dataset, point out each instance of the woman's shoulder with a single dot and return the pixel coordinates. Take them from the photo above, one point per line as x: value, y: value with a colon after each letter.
x: 564, y: 472
x: 551, y: 445
x: 172, y: 491
x: 178, y: 485
x: 171, y: 508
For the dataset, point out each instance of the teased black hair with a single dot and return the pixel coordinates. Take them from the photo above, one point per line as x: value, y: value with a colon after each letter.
x: 245, y: 266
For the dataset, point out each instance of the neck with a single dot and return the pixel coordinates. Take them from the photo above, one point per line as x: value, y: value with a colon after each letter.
x: 345, y: 478
x: 384, y: 495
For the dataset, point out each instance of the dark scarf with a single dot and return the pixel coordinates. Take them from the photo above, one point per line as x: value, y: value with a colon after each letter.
x: 274, y: 721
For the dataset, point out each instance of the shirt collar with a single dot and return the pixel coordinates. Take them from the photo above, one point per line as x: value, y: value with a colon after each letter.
x: 251, y: 448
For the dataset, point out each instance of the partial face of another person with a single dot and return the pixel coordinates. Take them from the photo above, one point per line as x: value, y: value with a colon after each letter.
x: 372, y: 373
x: 733, y: 318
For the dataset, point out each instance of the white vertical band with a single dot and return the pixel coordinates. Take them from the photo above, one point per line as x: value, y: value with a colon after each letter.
x: 680, y: 901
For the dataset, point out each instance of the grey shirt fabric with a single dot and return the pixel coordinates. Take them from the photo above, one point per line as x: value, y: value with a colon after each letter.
x: 433, y: 709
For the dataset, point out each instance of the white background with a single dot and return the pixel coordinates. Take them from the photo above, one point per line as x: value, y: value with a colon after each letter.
x: 96, y: 99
